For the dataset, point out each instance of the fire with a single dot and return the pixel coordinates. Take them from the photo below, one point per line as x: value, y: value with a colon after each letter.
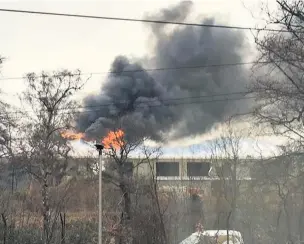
x: 114, y: 139
x: 70, y: 135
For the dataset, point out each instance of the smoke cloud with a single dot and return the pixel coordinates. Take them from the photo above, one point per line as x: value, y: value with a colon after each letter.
x: 172, y: 104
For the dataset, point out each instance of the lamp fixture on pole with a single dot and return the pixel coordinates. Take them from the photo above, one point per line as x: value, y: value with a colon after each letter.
x: 99, y: 148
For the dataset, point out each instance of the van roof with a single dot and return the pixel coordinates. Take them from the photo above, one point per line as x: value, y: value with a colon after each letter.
x: 194, y: 238
x: 221, y: 232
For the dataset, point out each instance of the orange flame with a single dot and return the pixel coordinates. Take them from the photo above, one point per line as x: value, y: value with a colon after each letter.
x: 114, y: 139
x: 70, y: 135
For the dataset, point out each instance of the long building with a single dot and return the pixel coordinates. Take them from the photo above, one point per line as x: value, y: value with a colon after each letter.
x: 185, y: 173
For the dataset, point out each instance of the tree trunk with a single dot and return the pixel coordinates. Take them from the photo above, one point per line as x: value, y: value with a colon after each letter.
x: 301, y: 219
x: 126, y: 214
x: 45, y: 210
x: 13, y: 179
x: 156, y: 198
x: 4, y: 228
x: 288, y: 222
x: 234, y: 196
x: 228, y: 226
x: 127, y: 201
x: 62, y: 220
x: 301, y: 224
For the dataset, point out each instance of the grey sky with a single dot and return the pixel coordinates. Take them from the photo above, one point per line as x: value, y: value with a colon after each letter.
x: 32, y: 43
x: 35, y: 43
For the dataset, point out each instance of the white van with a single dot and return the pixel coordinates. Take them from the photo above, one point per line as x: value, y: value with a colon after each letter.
x: 214, y: 237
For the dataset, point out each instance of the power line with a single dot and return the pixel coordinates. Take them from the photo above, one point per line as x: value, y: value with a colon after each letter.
x: 182, y: 103
x: 125, y: 102
x: 162, y: 69
x: 163, y: 101
x: 151, y: 105
x: 158, y: 105
x: 140, y: 20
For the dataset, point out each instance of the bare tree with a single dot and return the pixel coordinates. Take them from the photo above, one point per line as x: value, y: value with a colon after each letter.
x: 7, y: 126
x: 227, y: 162
x: 10, y: 168
x: 279, y: 85
x: 120, y: 169
x: 280, y: 96
x: 280, y: 179
x: 48, y: 96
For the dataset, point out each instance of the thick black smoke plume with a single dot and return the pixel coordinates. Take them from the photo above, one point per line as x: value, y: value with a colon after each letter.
x: 153, y: 103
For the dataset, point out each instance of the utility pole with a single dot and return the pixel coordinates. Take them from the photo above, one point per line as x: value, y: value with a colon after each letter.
x: 99, y: 148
